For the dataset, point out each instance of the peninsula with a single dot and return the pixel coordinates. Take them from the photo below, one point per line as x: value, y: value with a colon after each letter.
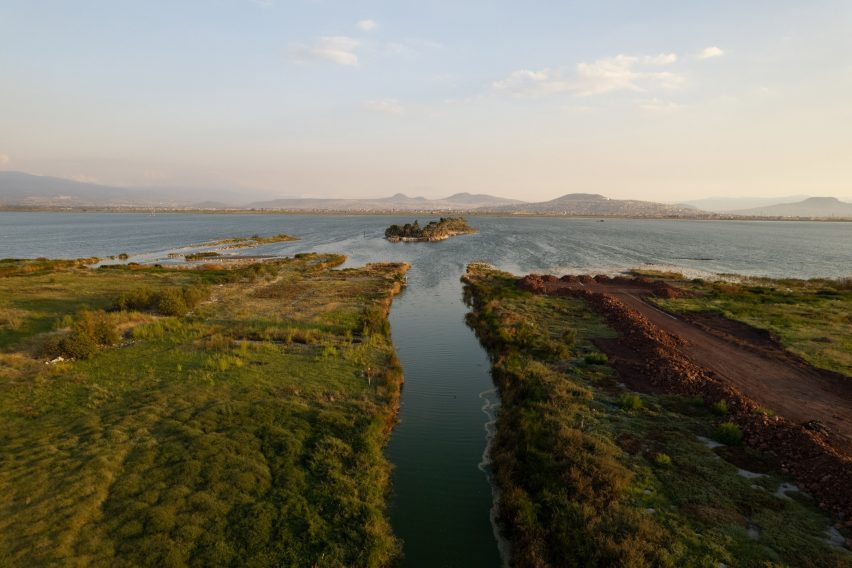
x: 195, y: 415
x: 440, y: 230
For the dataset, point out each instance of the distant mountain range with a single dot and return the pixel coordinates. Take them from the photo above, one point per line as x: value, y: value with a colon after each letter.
x: 398, y: 202
x: 727, y: 204
x: 19, y: 189
x: 26, y: 190
x: 598, y: 205
x: 810, y: 207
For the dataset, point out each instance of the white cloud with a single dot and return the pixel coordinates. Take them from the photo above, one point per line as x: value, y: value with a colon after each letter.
x: 367, y: 25
x: 619, y: 73
x: 387, y: 106
x: 661, y: 59
x: 334, y: 49
x: 710, y: 52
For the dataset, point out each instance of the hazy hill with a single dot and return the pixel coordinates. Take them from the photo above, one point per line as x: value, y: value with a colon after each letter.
x: 811, y: 207
x: 17, y: 188
x: 22, y: 189
x: 727, y: 204
x: 598, y: 205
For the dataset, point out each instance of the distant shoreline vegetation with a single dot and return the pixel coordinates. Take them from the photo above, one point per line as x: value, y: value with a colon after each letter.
x: 439, y: 230
x: 253, y: 241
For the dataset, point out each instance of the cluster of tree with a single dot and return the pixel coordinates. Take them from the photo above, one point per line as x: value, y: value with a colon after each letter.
x: 433, y: 230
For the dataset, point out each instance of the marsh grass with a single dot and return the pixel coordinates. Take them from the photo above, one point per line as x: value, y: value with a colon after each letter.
x: 584, y: 483
x: 202, y: 439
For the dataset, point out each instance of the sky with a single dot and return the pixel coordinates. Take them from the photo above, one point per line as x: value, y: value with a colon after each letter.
x: 666, y: 100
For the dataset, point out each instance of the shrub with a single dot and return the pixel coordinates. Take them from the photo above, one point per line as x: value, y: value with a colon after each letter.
x: 596, y: 358
x: 89, y: 330
x: 765, y: 411
x: 137, y: 299
x: 77, y: 346
x: 374, y: 321
x: 662, y: 460
x: 720, y: 407
x: 630, y: 402
x: 96, y: 326
x: 171, y: 302
x: 194, y: 295
x: 729, y: 433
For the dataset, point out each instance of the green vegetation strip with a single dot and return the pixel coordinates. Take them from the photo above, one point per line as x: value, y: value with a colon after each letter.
x: 591, y: 474
x: 253, y: 241
x: 212, y: 417
x: 811, y: 318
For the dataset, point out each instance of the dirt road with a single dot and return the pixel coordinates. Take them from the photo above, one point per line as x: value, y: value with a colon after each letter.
x: 758, y: 367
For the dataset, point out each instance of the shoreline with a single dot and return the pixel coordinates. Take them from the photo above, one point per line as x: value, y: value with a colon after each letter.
x: 151, y: 212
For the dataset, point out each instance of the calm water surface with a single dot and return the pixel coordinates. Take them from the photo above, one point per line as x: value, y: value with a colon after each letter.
x: 441, y: 497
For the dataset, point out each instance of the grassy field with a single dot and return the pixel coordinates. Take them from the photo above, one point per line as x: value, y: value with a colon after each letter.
x: 592, y: 474
x: 812, y: 318
x: 229, y: 415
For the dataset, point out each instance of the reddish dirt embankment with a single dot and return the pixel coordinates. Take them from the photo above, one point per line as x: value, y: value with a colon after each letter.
x: 657, y: 351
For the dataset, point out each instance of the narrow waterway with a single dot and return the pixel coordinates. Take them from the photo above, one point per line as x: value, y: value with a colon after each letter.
x: 442, y: 498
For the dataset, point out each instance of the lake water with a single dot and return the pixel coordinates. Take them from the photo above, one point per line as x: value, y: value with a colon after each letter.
x: 441, y: 496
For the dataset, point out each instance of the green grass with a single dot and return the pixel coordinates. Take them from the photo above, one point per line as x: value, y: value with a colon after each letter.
x: 203, y: 439
x: 812, y: 318
x: 584, y: 483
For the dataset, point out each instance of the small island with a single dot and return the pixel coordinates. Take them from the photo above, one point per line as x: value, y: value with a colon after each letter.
x: 433, y: 231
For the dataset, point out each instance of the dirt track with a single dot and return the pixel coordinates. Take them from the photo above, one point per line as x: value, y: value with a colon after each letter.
x: 755, y: 365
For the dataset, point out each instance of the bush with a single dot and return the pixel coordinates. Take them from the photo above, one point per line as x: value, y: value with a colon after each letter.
x: 171, y: 302
x: 630, y: 402
x: 720, y: 407
x: 96, y: 326
x: 729, y: 433
x: 765, y: 411
x: 89, y: 331
x: 77, y: 346
x: 596, y: 358
x: 194, y: 295
x: 138, y: 299
x: 375, y: 321
x: 662, y: 460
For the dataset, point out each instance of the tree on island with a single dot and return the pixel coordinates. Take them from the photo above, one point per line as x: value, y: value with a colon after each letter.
x: 434, y: 230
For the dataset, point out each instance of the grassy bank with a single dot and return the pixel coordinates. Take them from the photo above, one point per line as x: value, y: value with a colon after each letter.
x: 218, y: 416
x: 592, y: 474
x: 811, y: 318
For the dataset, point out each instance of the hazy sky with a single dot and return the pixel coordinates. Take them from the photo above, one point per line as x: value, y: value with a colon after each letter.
x: 650, y: 99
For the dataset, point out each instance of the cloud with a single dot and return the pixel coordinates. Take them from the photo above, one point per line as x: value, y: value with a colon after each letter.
x: 333, y: 49
x: 367, y: 25
x: 619, y: 73
x: 387, y: 106
x: 711, y: 52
